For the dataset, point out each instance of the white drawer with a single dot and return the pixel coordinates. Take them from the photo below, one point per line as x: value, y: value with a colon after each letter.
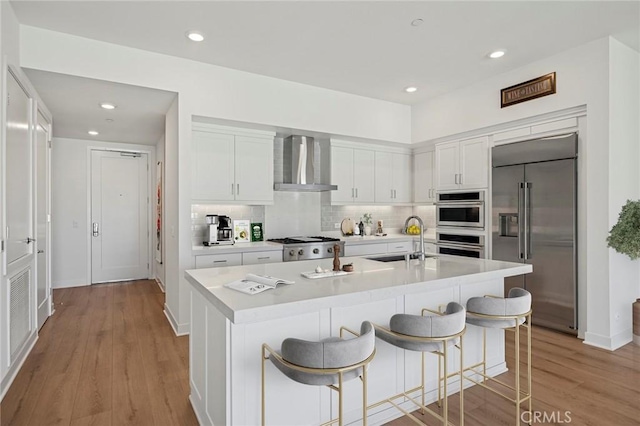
x: 218, y: 260
x: 401, y: 247
x: 365, y: 249
x: 255, y: 257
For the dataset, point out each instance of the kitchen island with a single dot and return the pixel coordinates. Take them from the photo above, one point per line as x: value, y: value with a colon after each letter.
x: 229, y: 327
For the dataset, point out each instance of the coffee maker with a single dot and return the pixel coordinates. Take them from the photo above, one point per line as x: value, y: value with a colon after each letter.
x: 225, y: 230
x: 219, y: 230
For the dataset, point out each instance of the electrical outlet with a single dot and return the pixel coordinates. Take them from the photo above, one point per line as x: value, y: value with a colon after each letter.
x: 336, y: 226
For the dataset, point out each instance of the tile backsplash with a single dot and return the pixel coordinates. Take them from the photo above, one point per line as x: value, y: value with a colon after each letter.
x: 200, y: 211
x: 392, y: 216
x: 304, y: 213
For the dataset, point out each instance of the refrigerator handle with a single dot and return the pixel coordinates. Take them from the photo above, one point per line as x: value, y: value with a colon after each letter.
x: 528, y: 253
x: 521, y: 223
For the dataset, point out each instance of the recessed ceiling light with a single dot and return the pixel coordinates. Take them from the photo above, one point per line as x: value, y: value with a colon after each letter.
x: 417, y: 22
x: 410, y: 89
x: 106, y: 105
x: 497, y: 54
x: 93, y: 132
x: 109, y: 120
x: 195, y: 36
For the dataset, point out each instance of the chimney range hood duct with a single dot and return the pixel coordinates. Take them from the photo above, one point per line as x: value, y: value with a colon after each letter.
x: 303, y: 166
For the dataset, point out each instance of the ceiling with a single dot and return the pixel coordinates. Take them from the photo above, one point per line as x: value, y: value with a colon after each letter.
x: 365, y: 48
x: 139, y: 117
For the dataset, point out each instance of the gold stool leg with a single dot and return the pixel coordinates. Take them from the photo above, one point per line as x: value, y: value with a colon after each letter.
x: 529, y: 365
x: 340, y: 399
x: 439, y: 382
x: 484, y: 354
x: 518, y: 397
x: 262, y: 386
x: 364, y: 395
x: 422, y: 384
x: 461, y: 383
x: 445, y: 400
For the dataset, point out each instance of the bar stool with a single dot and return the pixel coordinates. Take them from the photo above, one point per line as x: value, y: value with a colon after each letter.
x: 329, y: 362
x: 510, y: 313
x: 434, y: 333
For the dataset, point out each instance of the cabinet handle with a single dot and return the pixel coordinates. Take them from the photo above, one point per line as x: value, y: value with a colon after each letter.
x: 353, y: 193
x: 232, y: 189
x: 356, y: 192
x: 395, y: 195
x: 457, y: 178
x: 237, y: 189
x: 264, y: 258
x: 219, y: 261
x: 460, y: 178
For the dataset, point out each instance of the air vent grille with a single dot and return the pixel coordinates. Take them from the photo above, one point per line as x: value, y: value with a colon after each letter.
x: 19, y: 311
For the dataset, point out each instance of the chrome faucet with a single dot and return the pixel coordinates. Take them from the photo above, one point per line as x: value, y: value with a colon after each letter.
x: 419, y: 253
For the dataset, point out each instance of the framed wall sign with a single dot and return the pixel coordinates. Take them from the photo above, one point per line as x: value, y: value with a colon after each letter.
x: 532, y: 89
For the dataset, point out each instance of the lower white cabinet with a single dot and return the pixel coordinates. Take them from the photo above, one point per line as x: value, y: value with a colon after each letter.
x: 430, y: 248
x: 256, y: 257
x: 218, y: 260
x: 400, y: 247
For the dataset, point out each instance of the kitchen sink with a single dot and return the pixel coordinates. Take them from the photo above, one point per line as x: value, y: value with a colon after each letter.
x: 396, y: 257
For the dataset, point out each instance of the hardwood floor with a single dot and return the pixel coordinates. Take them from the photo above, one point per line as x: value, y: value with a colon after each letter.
x: 109, y: 357
x: 573, y: 383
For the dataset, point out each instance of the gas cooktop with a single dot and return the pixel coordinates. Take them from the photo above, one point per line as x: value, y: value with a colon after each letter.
x: 303, y: 240
x: 307, y: 248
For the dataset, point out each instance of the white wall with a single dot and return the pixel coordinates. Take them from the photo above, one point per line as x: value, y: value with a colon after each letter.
x: 159, y: 266
x: 172, y: 266
x: 210, y: 91
x: 624, y: 180
x: 584, y: 75
x: 70, y: 225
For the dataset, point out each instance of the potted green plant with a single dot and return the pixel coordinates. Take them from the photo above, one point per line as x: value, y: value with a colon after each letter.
x: 624, y: 237
x: 366, y: 219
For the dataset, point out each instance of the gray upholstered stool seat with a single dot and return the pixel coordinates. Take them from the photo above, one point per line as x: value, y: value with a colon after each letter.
x: 510, y: 313
x: 434, y: 333
x: 329, y: 362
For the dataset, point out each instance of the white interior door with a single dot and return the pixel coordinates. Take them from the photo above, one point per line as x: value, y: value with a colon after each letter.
x: 19, y: 202
x: 19, y: 311
x: 43, y: 256
x: 119, y: 210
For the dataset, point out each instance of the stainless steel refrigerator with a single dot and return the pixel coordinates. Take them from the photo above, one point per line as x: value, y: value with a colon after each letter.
x: 534, y: 221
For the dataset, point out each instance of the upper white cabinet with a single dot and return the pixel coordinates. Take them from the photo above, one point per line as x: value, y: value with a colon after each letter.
x: 228, y: 165
x: 353, y: 171
x: 462, y: 164
x: 424, y: 190
x: 393, y: 177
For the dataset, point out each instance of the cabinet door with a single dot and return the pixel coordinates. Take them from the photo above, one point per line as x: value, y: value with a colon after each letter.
x: 364, y: 175
x: 402, y: 172
x: 254, y: 169
x: 447, y: 162
x: 423, y: 188
x: 257, y: 257
x: 342, y: 174
x: 474, y: 163
x: 218, y: 260
x: 384, y: 177
x: 212, y: 166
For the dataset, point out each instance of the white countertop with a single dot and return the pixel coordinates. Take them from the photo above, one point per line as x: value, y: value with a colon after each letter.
x: 371, y: 280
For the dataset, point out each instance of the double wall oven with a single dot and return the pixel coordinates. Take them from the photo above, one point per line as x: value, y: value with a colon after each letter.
x: 460, y: 223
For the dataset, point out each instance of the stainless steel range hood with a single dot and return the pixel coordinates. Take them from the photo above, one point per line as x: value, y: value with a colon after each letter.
x: 304, y: 166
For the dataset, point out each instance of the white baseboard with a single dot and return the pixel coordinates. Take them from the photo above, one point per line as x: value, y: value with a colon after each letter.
x: 70, y: 283
x: 13, y: 371
x: 610, y: 343
x: 160, y: 284
x: 178, y: 329
x: 199, y: 415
